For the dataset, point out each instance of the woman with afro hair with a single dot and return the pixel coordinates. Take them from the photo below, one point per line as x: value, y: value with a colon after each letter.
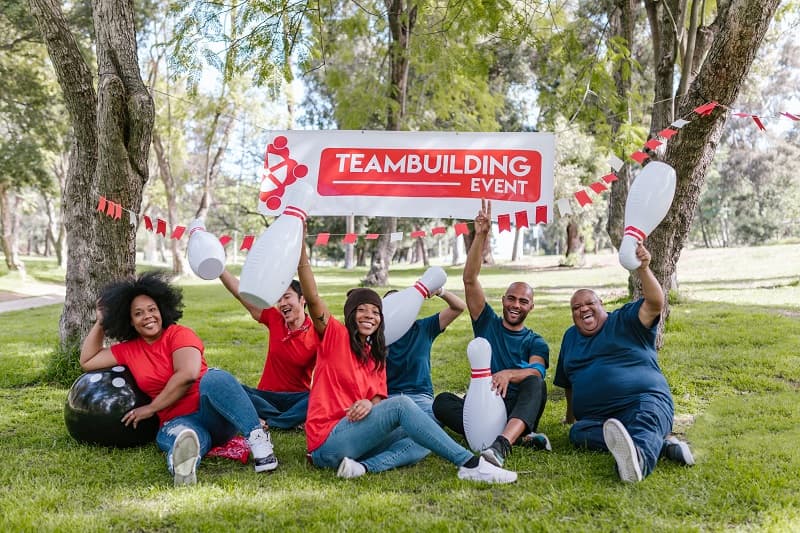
x: 198, y: 407
x: 351, y: 425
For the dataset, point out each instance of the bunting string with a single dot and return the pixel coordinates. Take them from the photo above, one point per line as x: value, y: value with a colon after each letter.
x: 565, y: 205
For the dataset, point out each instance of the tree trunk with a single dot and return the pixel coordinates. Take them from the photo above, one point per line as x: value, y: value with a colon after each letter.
x: 8, y: 229
x: 720, y: 78
x: 401, y: 21
x: 575, y: 252
x: 109, y: 156
x: 517, y: 233
x: 378, y: 275
x: 349, y: 249
x: 165, y: 170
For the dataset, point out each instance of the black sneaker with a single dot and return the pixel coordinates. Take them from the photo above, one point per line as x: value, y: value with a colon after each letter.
x: 497, y: 452
x: 537, y: 441
x: 678, y: 451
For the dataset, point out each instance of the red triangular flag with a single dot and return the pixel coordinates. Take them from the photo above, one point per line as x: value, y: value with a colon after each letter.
x: 790, y: 115
x: 461, y: 228
x: 705, y: 109
x: 117, y: 211
x: 225, y: 239
x: 439, y: 230
x: 667, y: 133
x: 322, y: 239
x: 101, y: 204
x: 598, y: 187
x: 639, y: 157
x: 521, y: 219
x: 110, y: 209
x: 372, y: 236
x: 758, y: 122
x: 583, y: 198
x: 417, y: 234
x: 177, y: 233
x: 148, y: 224
x: 610, y: 178
x: 247, y: 242
x: 161, y: 227
x: 504, y: 223
x: 350, y: 238
x: 541, y: 214
x: 652, y: 144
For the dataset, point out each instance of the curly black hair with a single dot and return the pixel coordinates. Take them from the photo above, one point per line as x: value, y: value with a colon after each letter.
x: 115, y: 303
x: 377, y: 342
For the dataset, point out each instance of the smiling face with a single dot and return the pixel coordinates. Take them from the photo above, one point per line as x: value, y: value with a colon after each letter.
x: 517, y: 303
x: 588, y: 312
x: 368, y: 318
x: 291, y: 305
x: 146, y: 318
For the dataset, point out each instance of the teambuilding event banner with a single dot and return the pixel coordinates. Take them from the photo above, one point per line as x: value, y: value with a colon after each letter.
x: 409, y: 174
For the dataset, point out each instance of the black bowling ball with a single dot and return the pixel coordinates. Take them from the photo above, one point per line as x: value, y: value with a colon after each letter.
x: 96, y: 403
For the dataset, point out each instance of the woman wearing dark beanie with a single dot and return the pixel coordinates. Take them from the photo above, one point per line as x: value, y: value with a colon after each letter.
x: 351, y: 425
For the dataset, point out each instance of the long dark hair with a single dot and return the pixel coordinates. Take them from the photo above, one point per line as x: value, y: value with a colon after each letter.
x: 116, y: 297
x: 377, y: 342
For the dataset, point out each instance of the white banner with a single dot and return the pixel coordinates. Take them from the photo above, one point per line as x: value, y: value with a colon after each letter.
x: 410, y: 174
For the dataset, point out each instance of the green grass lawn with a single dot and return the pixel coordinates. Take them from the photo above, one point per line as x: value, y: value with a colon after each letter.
x: 731, y: 356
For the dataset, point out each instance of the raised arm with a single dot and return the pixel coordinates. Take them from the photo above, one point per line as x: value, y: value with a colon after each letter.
x: 232, y: 284
x: 94, y: 355
x: 317, y: 309
x: 473, y: 292
x: 651, y: 289
x: 455, y: 306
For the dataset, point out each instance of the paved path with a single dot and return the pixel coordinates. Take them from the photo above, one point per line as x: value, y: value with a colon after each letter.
x: 29, y: 295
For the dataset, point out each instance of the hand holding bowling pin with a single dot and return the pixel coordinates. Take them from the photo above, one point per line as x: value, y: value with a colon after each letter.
x: 400, y: 309
x: 647, y: 204
x: 484, y: 411
x: 206, y: 254
x: 272, y: 260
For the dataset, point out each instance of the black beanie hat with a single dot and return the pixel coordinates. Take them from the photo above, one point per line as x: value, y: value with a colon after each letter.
x: 356, y: 297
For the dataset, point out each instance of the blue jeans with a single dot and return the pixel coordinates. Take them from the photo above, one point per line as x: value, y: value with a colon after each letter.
x: 225, y: 410
x: 648, y: 423
x: 391, y: 435
x: 283, y: 410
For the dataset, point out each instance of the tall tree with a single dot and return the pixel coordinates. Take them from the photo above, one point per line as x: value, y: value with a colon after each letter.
x: 740, y: 27
x: 112, y: 128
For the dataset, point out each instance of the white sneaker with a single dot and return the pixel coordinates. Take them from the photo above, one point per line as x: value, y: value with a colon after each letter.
x: 487, y: 473
x: 621, y: 446
x: 263, y: 453
x: 185, y: 453
x: 349, y: 469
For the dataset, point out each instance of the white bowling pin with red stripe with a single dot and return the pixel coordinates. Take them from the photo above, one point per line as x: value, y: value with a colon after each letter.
x: 484, y: 410
x: 272, y: 260
x: 205, y: 253
x: 400, y: 309
x: 647, y: 204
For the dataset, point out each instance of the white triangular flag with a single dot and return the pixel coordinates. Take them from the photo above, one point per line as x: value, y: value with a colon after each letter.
x: 563, y: 206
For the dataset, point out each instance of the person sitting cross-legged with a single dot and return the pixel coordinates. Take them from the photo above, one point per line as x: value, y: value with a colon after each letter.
x: 618, y: 400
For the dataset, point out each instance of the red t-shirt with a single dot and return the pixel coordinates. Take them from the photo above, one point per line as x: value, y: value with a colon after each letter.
x: 291, y: 355
x: 339, y: 380
x: 151, y: 366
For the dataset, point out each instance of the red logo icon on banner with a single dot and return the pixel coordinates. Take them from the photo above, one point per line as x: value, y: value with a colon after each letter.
x: 280, y: 171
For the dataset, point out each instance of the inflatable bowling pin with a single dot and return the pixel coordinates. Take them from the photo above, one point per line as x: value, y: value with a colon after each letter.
x: 400, y: 309
x: 206, y: 253
x: 272, y: 260
x: 646, y: 206
x: 484, y: 410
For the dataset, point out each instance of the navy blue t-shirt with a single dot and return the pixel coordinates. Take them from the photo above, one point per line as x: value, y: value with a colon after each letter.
x: 613, y: 369
x: 408, y: 363
x: 509, y: 348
